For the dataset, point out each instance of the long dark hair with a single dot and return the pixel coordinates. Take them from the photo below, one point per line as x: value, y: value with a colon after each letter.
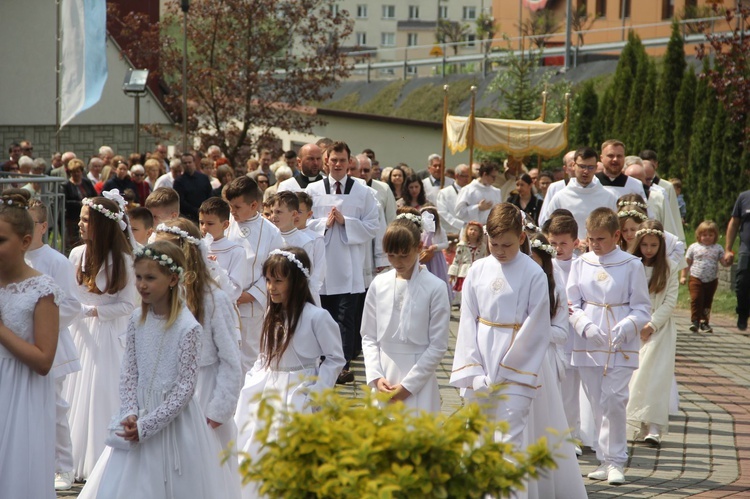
x: 406, y: 195
x: 282, y: 318
x: 105, y: 238
x: 660, y: 262
x: 393, y: 187
x: 548, y: 269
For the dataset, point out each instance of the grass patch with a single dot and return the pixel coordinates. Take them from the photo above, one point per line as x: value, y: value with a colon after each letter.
x: 426, y: 102
x: 385, y: 100
x: 348, y: 103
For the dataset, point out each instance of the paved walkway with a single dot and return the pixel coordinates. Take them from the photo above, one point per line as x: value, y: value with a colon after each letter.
x: 707, y: 451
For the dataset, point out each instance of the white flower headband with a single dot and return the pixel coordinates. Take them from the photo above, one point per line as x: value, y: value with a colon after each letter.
x: 412, y: 218
x: 290, y: 256
x: 178, y: 232
x: 655, y: 232
x: 10, y: 202
x: 117, y: 217
x: 632, y: 213
x: 622, y: 204
x: 161, y: 259
x: 547, y: 248
x: 531, y: 227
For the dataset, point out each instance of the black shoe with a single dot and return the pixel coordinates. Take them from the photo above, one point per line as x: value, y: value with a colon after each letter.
x: 694, y: 326
x: 705, y: 328
x: 742, y: 323
x: 345, y: 377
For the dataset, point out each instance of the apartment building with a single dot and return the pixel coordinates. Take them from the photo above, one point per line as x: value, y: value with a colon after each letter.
x: 389, y: 30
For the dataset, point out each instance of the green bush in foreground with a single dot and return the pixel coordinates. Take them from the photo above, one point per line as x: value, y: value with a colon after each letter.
x: 352, y: 448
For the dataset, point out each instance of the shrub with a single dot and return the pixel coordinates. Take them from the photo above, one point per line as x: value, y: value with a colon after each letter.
x: 353, y: 448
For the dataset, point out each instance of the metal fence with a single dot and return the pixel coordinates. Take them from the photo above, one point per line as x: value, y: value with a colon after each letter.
x: 50, y: 193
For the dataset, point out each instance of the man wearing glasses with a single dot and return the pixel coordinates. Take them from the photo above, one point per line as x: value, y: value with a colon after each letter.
x: 583, y: 194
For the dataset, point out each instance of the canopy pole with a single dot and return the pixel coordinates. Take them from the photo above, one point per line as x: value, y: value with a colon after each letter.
x: 471, y: 125
x: 545, y: 95
x: 445, y: 135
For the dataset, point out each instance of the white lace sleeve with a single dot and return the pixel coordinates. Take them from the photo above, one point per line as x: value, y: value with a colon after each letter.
x: 182, y: 391
x: 229, y: 376
x: 45, y: 286
x: 129, y: 376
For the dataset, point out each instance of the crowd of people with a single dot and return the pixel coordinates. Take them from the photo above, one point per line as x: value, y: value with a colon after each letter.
x: 196, y: 294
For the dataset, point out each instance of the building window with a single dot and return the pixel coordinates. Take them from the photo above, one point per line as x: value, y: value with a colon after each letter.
x: 387, y: 39
x: 411, y: 40
x: 601, y: 8
x: 470, y: 40
x: 443, y: 12
x: 361, y: 11
x: 583, y: 5
x: 413, y: 11
x: 411, y: 70
x: 389, y: 12
x: 361, y: 38
x: 667, y: 9
x: 470, y: 13
x: 624, y: 9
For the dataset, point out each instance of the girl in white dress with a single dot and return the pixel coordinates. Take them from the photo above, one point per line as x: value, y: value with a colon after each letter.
x: 104, y: 272
x: 28, y: 340
x: 648, y: 407
x: 296, y: 334
x: 405, y: 322
x: 547, y: 414
x: 159, y: 445
x: 220, y: 375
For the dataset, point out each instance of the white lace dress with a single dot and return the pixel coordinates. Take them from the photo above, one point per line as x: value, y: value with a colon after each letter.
x: 27, y: 400
x: 177, y: 456
x: 92, y: 392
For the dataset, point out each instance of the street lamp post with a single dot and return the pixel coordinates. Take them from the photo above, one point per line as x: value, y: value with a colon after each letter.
x: 135, y: 86
x: 185, y: 6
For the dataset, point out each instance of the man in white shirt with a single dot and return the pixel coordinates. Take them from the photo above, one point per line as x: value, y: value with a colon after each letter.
x: 476, y: 199
x: 612, y: 178
x: 569, y: 170
x: 345, y: 211
x: 656, y: 197
x: 584, y: 193
x: 446, y: 201
x: 432, y: 181
x: 175, y: 172
x: 651, y: 165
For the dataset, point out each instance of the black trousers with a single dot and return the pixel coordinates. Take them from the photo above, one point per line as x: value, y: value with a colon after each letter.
x: 742, y: 285
x: 343, y: 309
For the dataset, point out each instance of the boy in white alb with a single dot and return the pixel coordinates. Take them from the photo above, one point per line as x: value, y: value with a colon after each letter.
x: 284, y: 215
x: 562, y: 233
x: 52, y: 263
x: 504, y: 332
x: 319, y: 242
x: 230, y: 257
x: 608, y: 295
x: 259, y: 237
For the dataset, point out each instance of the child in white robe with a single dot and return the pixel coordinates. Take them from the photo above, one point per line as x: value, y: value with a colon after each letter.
x: 46, y: 260
x: 648, y: 408
x: 405, y: 323
x: 608, y: 295
x: 230, y: 257
x: 503, y: 334
x: 28, y: 339
x: 159, y: 444
x: 546, y: 409
x: 318, y: 260
x: 220, y: 374
x: 296, y: 335
x: 259, y: 237
x: 563, y: 236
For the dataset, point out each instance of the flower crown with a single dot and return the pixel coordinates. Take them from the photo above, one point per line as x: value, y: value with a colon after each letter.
x: 547, y: 248
x: 161, y: 259
x: 531, y: 227
x: 632, y: 213
x: 292, y: 258
x: 622, y: 204
x: 178, y: 232
x: 117, y: 217
x: 655, y: 232
x: 412, y: 218
x: 9, y: 202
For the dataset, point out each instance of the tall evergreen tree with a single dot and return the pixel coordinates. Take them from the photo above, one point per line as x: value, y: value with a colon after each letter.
x: 669, y: 86
x: 684, y: 108
x: 647, y: 129
x: 731, y: 169
x: 714, y: 178
x: 585, y: 109
x: 696, y: 178
x: 622, y: 85
x: 636, y: 114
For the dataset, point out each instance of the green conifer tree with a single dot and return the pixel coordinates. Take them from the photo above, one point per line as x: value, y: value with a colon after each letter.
x: 585, y: 110
x: 713, y: 178
x: 636, y: 114
x: 694, y: 183
x: 669, y: 86
x: 684, y: 108
x: 622, y: 85
x: 647, y: 127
